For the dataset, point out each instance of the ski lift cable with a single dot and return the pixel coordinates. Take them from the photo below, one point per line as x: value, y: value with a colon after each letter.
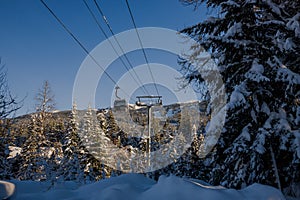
x: 120, y: 46
x: 141, y: 44
x: 82, y: 46
x: 138, y: 82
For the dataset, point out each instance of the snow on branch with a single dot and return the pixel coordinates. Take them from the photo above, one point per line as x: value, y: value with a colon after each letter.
x: 256, y: 73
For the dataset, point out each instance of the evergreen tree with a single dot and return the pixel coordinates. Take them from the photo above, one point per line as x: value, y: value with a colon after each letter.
x: 6, y: 140
x: 90, y: 134
x: 4, y: 165
x: 8, y: 107
x: 255, y: 45
x: 70, y: 168
x: 34, y: 152
x: 40, y: 153
x: 112, y: 129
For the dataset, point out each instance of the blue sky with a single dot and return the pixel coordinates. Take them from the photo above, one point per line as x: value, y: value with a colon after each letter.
x: 34, y: 47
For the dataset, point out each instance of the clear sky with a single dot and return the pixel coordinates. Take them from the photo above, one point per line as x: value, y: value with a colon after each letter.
x: 34, y: 47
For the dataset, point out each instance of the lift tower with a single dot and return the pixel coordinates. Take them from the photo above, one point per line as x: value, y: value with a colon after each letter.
x: 149, y: 101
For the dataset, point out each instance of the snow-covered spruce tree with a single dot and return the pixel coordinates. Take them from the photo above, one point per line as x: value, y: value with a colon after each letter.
x: 34, y: 153
x: 94, y: 140
x: 4, y: 165
x: 6, y: 139
x: 41, y: 151
x: 112, y: 129
x: 256, y: 46
x: 8, y: 106
x: 70, y: 168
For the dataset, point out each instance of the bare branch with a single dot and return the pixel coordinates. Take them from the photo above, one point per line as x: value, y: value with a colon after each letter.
x: 8, y: 103
x: 45, y: 99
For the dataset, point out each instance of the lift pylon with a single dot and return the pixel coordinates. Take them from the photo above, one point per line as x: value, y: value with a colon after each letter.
x: 152, y: 101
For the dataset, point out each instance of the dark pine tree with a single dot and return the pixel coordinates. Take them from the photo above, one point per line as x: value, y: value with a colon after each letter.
x: 256, y: 47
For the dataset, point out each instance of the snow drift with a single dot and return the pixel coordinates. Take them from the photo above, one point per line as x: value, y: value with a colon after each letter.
x: 6, y: 189
x: 138, y: 187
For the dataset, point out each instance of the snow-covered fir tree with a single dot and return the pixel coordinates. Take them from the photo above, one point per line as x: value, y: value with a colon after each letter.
x: 256, y: 46
x: 35, y: 152
x: 6, y: 139
x: 41, y: 152
x: 70, y: 168
x: 95, y: 142
x: 4, y: 166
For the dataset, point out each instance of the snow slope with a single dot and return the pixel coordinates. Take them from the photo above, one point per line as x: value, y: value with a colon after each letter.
x: 138, y: 187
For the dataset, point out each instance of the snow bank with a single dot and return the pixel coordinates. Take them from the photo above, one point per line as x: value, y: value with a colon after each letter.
x: 138, y: 187
x: 6, y: 189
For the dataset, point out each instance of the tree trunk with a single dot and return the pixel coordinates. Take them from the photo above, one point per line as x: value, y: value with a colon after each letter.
x: 275, y: 168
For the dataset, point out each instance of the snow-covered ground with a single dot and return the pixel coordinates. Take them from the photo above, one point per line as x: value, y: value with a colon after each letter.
x: 138, y: 187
